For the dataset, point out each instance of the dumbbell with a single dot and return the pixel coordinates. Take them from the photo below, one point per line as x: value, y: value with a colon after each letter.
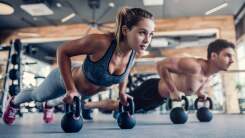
x: 14, y: 89
x: 178, y: 115
x: 125, y: 119
x: 17, y: 45
x: 14, y: 74
x: 15, y: 59
x: 203, y: 113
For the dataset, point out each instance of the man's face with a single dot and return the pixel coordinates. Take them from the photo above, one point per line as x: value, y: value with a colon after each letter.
x: 224, y: 59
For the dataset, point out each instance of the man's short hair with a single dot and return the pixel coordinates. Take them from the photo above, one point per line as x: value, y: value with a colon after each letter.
x: 218, y: 45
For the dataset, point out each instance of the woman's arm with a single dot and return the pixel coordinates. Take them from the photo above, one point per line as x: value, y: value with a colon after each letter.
x: 88, y: 45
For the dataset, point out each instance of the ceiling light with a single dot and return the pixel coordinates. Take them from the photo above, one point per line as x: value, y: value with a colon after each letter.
x: 39, y: 9
x: 153, y: 2
x: 111, y: 4
x: 6, y: 9
x: 217, y: 8
x: 68, y: 17
x: 58, y: 5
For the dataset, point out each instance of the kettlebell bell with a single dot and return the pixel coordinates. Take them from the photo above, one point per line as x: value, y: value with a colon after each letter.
x: 178, y: 115
x: 72, y: 120
x: 125, y: 119
x: 203, y: 113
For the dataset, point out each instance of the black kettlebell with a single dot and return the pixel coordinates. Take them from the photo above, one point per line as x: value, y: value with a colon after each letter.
x: 178, y: 115
x: 125, y: 119
x: 203, y: 113
x: 72, y: 120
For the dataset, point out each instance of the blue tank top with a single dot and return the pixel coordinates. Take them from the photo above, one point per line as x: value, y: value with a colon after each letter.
x: 98, y: 72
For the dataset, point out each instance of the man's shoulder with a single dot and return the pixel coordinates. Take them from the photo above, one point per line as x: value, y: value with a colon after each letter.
x: 192, y: 60
x: 192, y: 64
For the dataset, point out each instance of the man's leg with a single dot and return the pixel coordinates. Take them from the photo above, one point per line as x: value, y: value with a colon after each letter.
x: 86, y: 112
x: 106, y: 104
x: 146, y: 96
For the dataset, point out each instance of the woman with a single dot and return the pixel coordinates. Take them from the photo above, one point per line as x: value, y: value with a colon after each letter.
x: 109, y: 60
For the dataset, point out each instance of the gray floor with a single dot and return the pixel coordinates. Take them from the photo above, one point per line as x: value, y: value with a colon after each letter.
x: 148, y: 126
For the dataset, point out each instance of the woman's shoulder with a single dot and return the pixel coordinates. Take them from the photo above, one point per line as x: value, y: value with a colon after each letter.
x: 101, y: 39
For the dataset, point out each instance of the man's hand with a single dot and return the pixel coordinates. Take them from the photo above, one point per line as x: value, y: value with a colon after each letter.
x: 176, y: 96
x: 203, y: 96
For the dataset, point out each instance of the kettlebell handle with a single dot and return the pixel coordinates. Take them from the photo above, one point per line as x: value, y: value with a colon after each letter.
x: 186, y: 107
x: 70, y: 107
x: 129, y: 108
x: 199, y: 100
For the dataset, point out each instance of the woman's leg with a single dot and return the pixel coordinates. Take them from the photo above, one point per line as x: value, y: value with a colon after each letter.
x: 51, y: 87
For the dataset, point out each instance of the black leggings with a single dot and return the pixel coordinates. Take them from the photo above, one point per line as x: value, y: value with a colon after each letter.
x: 146, y: 96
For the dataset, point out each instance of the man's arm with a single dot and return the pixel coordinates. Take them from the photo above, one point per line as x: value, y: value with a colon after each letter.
x: 178, y: 66
x: 201, y: 91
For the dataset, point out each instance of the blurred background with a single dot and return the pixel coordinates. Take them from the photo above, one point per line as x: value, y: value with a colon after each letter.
x: 183, y: 28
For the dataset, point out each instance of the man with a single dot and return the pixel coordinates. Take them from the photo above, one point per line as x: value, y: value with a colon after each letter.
x: 178, y: 77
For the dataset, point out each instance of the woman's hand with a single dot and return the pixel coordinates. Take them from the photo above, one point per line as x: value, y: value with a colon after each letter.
x: 69, y: 96
x: 123, y: 98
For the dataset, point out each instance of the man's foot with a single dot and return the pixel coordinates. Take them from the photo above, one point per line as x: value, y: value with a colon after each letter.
x: 9, y: 114
x: 87, y: 114
x: 48, y: 113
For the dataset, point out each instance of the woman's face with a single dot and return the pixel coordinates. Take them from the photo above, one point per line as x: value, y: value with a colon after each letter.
x: 140, y: 35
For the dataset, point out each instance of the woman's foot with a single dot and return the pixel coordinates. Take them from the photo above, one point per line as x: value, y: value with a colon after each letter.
x: 48, y: 113
x: 9, y: 114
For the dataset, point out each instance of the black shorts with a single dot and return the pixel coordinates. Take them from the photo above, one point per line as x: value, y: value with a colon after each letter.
x: 146, y: 96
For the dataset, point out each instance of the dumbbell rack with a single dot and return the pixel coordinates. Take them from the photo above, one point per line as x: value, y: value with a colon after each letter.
x: 5, y: 48
x: 14, y: 74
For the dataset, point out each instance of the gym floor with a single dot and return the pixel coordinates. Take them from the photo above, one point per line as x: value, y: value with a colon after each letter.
x: 151, y: 125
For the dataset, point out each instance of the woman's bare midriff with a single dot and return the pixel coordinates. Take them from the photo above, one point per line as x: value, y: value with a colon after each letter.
x: 82, y: 84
